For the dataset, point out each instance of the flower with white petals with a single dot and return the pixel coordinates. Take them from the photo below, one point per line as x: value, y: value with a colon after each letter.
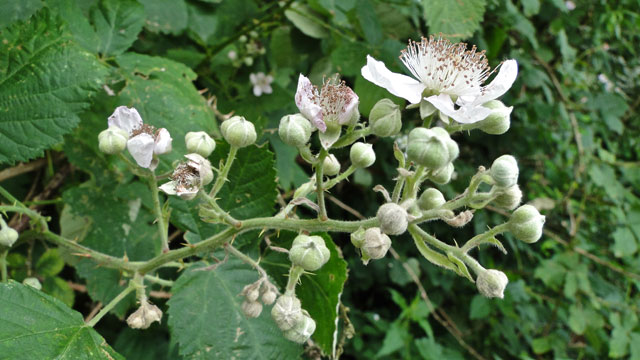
x: 261, y: 83
x: 447, y: 76
x: 145, y: 141
x: 188, y: 178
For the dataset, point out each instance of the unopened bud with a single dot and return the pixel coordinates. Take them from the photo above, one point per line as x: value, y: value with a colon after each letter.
x: 309, y: 252
x: 8, y: 236
x: 251, y: 292
x: 375, y: 245
x: 33, y: 282
x: 295, y: 130
x: 431, y: 199
x: 498, y: 122
x: 526, y: 224
x: 357, y: 237
x: 251, y: 309
x: 200, y: 143
x: 302, y: 331
x: 509, y: 198
x: 385, y: 118
x: 287, y: 312
x: 238, y: 132
x: 432, y: 148
x: 362, y: 155
x: 491, y: 283
x: 113, y: 140
x: 393, y: 219
x: 269, y: 297
x: 443, y: 176
x: 504, y: 171
x: 330, y: 165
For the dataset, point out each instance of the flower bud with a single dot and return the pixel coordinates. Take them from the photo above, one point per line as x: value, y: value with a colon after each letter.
x: 287, y: 312
x: 295, y: 130
x: 357, y: 237
x: 498, y: 122
x: 269, y: 297
x: 302, y: 331
x: 251, y: 292
x: 432, y: 148
x: 112, y: 140
x: 238, y: 132
x: 491, y: 283
x: 385, y: 118
x: 309, y: 252
x: 526, y: 224
x: 362, y: 155
x: 504, y: 171
x: 144, y: 316
x: 8, y: 236
x: 33, y: 282
x: 443, y: 176
x: 509, y: 198
x: 200, y: 143
x: 393, y: 219
x: 330, y: 165
x: 431, y: 199
x: 251, y: 309
x: 375, y: 245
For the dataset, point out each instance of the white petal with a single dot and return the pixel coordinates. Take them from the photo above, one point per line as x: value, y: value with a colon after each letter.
x: 267, y: 89
x: 257, y: 90
x: 349, y: 108
x: 188, y: 194
x: 268, y: 79
x: 141, y: 148
x: 500, y: 84
x: 465, y: 114
x: 125, y: 118
x: 163, y: 142
x: 399, y: 85
x: 169, y: 188
x: 306, y: 105
x: 253, y: 78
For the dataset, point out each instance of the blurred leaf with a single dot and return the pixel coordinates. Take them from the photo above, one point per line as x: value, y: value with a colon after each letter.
x: 457, y: 20
x: 14, y: 10
x: 625, y: 243
x: 541, y: 345
x: 369, y: 23
x: 290, y: 174
x: 149, y: 344
x: 306, y: 20
x: 577, y: 319
x: 166, y: 16
x: 34, y: 325
x: 530, y: 7
x: 49, y: 264
x: 394, y: 339
x: 480, y: 307
x: 59, y: 289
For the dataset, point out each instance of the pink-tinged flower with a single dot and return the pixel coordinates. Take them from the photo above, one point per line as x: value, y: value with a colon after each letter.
x: 188, y: 178
x: 145, y: 141
x: 261, y: 83
x: 446, y: 75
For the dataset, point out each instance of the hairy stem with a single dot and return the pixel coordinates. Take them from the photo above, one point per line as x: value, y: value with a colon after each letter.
x: 105, y: 310
x: 333, y: 182
x: 224, y: 172
x: 481, y: 238
x: 246, y: 259
x: 157, y: 210
x: 322, y: 214
x: 294, y: 275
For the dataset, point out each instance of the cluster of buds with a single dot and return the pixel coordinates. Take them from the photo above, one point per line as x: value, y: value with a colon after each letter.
x: 295, y: 322
x: 145, y: 315
x: 248, y: 48
x: 434, y: 149
x: 261, y: 290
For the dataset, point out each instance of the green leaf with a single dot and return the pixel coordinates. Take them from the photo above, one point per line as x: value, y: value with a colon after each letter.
x: 619, y: 342
x: 14, y: 10
x: 394, y: 339
x: 541, y: 345
x: 117, y: 24
x: 202, y: 21
x: 369, y: 23
x: 290, y: 174
x: 634, y: 347
x: 145, y: 345
x: 577, y: 319
x: 59, y: 289
x: 306, y: 20
x: 454, y: 19
x: 625, y: 243
x: 49, y: 264
x: 45, y: 81
x: 206, y: 318
x: 480, y: 307
x: 166, y: 16
x: 34, y: 325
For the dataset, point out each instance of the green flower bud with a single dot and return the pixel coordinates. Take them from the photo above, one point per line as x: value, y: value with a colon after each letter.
x: 309, y: 252
x: 238, y: 132
x: 200, y: 143
x: 251, y: 309
x: 113, y: 140
x: 526, y: 224
x: 8, y: 236
x: 499, y: 121
x: 287, y: 312
x: 302, y: 331
x: 357, y: 237
x: 393, y: 219
x: 432, y: 148
x: 431, y: 199
x: 295, y: 130
x: 362, y: 155
x: 33, y: 282
x: 509, y: 198
x: 504, y: 171
x: 443, y: 176
x: 330, y: 165
x: 385, y: 118
x: 491, y: 283
x: 375, y: 245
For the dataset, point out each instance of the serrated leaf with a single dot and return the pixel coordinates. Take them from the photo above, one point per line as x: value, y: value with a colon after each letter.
x: 457, y: 20
x: 14, y: 10
x: 49, y: 264
x: 117, y: 24
x: 166, y: 16
x: 45, y: 81
x: 306, y: 20
x: 206, y: 318
x: 34, y: 325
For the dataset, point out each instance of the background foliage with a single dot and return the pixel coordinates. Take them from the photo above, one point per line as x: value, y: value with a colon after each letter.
x: 65, y: 64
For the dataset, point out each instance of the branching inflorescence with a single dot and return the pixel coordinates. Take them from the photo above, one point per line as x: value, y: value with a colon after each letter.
x: 448, y: 86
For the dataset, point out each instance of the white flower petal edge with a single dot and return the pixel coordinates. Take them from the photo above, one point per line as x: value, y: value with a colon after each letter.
x: 399, y: 85
x: 141, y: 148
x: 500, y: 84
x: 347, y: 111
x: 163, y: 142
x: 125, y: 118
x: 306, y: 105
x: 464, y: 115
x: 169, y: 188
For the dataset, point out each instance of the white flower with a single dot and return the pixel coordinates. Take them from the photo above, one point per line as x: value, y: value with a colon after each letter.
x: 570, y: 5
x: 261, y: 83
x: 445, y: 72
x: 188, y: 178
x: 144, y: 140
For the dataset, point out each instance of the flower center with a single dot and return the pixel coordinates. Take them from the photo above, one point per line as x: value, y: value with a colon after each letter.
x: 334, y: 97
x: 145, y: 129
x: 185, y: 177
